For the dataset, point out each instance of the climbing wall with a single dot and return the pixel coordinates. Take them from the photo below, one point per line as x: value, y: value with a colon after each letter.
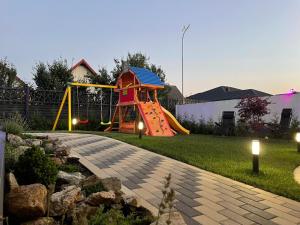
x: 154, y: 119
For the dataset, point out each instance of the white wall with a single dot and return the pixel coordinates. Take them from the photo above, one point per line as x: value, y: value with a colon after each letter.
x: 213, y: 110
x: 79, y: 73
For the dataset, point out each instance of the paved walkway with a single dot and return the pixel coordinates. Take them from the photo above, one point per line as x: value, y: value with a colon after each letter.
x: 202, y: 197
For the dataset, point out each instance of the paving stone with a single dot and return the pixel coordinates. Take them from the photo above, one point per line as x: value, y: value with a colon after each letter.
x: 210, y: 212
x: 189, y: 220
x: 232, y: 207
x: 130, y: 185
x: 276, y: 206
x: 187, y: 210
x: 235, y: 217
x: 188, y: 201
x: 284, y: 215
x: 254, y: 203
x: 209, y: 203
x: 203, y: 219
x: 230, y: 199
x: 258, y: 212
x: 247, y: 190
x: 188, y: 193
x: 282, y: 221
x: 209, y: 196
x: 292, y: 206
x: 250, y: 196
x: 258, y: 219
x: 229, y: 222
x: 229, y: 193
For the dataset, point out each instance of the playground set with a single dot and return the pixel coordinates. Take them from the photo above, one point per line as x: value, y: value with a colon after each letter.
x: 137, y: 89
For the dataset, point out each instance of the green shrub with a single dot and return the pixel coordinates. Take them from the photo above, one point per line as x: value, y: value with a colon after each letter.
x: 15, y: 124
x: 69, y: 168
x: 35, y: 167
x: 39, y: 122
x: 116, y: 217
x: 11, y: 156
x: 93, y: 189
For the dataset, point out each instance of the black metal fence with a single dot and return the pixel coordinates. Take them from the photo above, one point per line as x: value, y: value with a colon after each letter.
x: 37, y: 104
x: 45, y: 103
x: 2, y: 146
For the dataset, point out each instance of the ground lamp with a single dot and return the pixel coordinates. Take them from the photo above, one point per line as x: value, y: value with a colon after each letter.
x: 74, y: 121
x: 140, y: 127
x: 255, y: 153
x: 298, y: 140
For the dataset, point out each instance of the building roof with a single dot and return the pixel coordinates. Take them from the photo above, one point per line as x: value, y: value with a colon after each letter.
x: 174, y: 93
x: 145, y: 76
x: 226, y: 93
x: 19, y: 80
x: 84, y: 63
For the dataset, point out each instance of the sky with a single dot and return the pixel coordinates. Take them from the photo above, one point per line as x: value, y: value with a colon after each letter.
x: 239, y: 43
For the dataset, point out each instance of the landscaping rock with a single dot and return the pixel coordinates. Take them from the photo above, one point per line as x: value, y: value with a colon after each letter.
x: 65, y: 200
x: 82, y: 213
x: 41, y: 221
x: 102, y: 197
x: 111, y: 184
x: 176, y: 219
x: 70, y: 178
x: 62, y: 151
x: 49, y: 147
x: 34, y: 142
x: 15, y: 140
x: 21, y: 149
x: 131, y: 200
x: 27, y: 201
x: 12, y: 182
x: 91, y: 181
x: 57, y: 161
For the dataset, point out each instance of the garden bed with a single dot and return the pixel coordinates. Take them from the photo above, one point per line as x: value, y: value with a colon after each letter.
x: 48, y: 185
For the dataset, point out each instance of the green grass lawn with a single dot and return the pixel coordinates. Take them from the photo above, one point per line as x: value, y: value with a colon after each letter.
x: 230, y: 157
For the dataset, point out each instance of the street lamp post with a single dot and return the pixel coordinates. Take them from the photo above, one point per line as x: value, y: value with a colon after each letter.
x: 183, y: 33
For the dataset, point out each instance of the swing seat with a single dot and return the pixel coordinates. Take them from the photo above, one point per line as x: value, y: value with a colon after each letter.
x: 105, y: 124
x: 83, y: 121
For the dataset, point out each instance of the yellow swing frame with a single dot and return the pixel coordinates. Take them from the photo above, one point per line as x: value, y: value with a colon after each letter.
x: 68, y: 94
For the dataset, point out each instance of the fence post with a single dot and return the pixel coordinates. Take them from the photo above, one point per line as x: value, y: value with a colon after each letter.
x: 26, y: 101
x: 2, y: 146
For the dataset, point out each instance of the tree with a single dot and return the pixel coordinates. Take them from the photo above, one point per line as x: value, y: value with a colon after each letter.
x: 53, y: 76
x: 251, y: 110
x: 8, y: 73
x: 137, y: 60
x: 102, y: 77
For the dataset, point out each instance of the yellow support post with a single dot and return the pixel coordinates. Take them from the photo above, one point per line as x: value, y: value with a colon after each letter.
x: 92, y: 85
x: 69, y: 109
x: 60, y: 109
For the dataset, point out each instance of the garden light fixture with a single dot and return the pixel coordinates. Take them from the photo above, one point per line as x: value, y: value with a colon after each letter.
x: 74, y: 121
x: 297, y: 137
x: 140, y: 127
x: 255, y: 153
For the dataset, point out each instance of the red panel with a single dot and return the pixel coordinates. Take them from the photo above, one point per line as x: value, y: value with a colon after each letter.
x: 127, y: 95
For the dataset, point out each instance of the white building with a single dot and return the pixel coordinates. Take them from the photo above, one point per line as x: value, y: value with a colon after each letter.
x: 81, y: 69
x: 213, y: 110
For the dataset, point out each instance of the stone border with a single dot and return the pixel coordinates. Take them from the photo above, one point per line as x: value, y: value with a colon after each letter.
x: 95, y: 170
x: 297, y: 174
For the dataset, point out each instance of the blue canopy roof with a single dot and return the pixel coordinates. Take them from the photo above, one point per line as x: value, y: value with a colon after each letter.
x: 145, y: 76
